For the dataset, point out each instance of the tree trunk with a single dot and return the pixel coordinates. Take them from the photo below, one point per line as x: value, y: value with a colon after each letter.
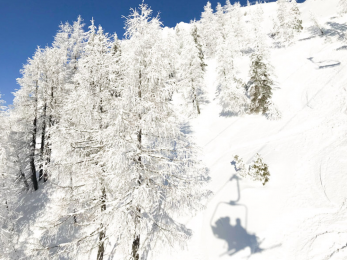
x: 196, y: 100
x: 197, y: 106
x: 136, y: 242
x: 21, y: 173
x: 48, y: 138
x: 102, y: 233
x: 72, y: 196
x: 48, y: 153
x: 32, y: 157
x: 43, y: 135
x: 135, y: 248
x: 32, y: 148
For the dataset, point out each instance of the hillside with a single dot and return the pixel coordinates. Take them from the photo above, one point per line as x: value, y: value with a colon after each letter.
x: 300, y: 213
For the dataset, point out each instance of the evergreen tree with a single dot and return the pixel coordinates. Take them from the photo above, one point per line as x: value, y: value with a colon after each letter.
x: 295, y: 17
x: 258, y: 170
x: 260, y: 88
x: 261, y: 78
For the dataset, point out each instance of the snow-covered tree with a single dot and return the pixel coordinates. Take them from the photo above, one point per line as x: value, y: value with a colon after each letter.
x: 228, y: 45
x: 93, y: 83
x: 282, y: 12
x: 44, y: 87
x: 256, y: 171
x: 285, y: 33
x: 235, y: 24
x: 190, y: 69
x: 288, y: 22
x: 76, y: 42
x: 261, y: 83
x: 11, y: 184
x: 220, y: 22
x: 16, y: 144
x: 123, y: 169
x: 78, y: 200
x: 7, y: 208
x: 157, y: 175
x: 115, y: 68
x: 295, y: 16
x: 208, y: 31
x: 59, y: 67
x: 232, y: 95
x: 25, y: 114
x: 261, y: 72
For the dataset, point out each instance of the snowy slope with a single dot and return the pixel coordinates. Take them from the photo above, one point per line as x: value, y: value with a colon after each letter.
x: 300, y: 212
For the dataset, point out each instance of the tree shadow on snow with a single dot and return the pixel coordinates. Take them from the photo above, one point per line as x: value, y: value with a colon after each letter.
x: 330, y: 29
x: 186, y: 128
x: 336, y: 29
x: 236, y: 236
x: 307, y: 38
x: 228, y: 114
x: 203, y: 99
x: 342, y: 48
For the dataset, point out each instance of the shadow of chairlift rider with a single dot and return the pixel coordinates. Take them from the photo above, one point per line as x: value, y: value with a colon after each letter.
x: 236, y: 236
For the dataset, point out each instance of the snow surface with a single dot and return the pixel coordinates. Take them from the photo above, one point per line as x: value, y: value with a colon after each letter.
x: 300, y: 213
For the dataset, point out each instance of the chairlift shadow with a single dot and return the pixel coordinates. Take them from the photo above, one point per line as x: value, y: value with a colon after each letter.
x: 236, y: 236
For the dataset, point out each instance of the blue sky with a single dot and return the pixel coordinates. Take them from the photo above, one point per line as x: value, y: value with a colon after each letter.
x: 26, y: 24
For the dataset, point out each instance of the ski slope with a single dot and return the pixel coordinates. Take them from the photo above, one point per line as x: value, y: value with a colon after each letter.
x: 301, y: 212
